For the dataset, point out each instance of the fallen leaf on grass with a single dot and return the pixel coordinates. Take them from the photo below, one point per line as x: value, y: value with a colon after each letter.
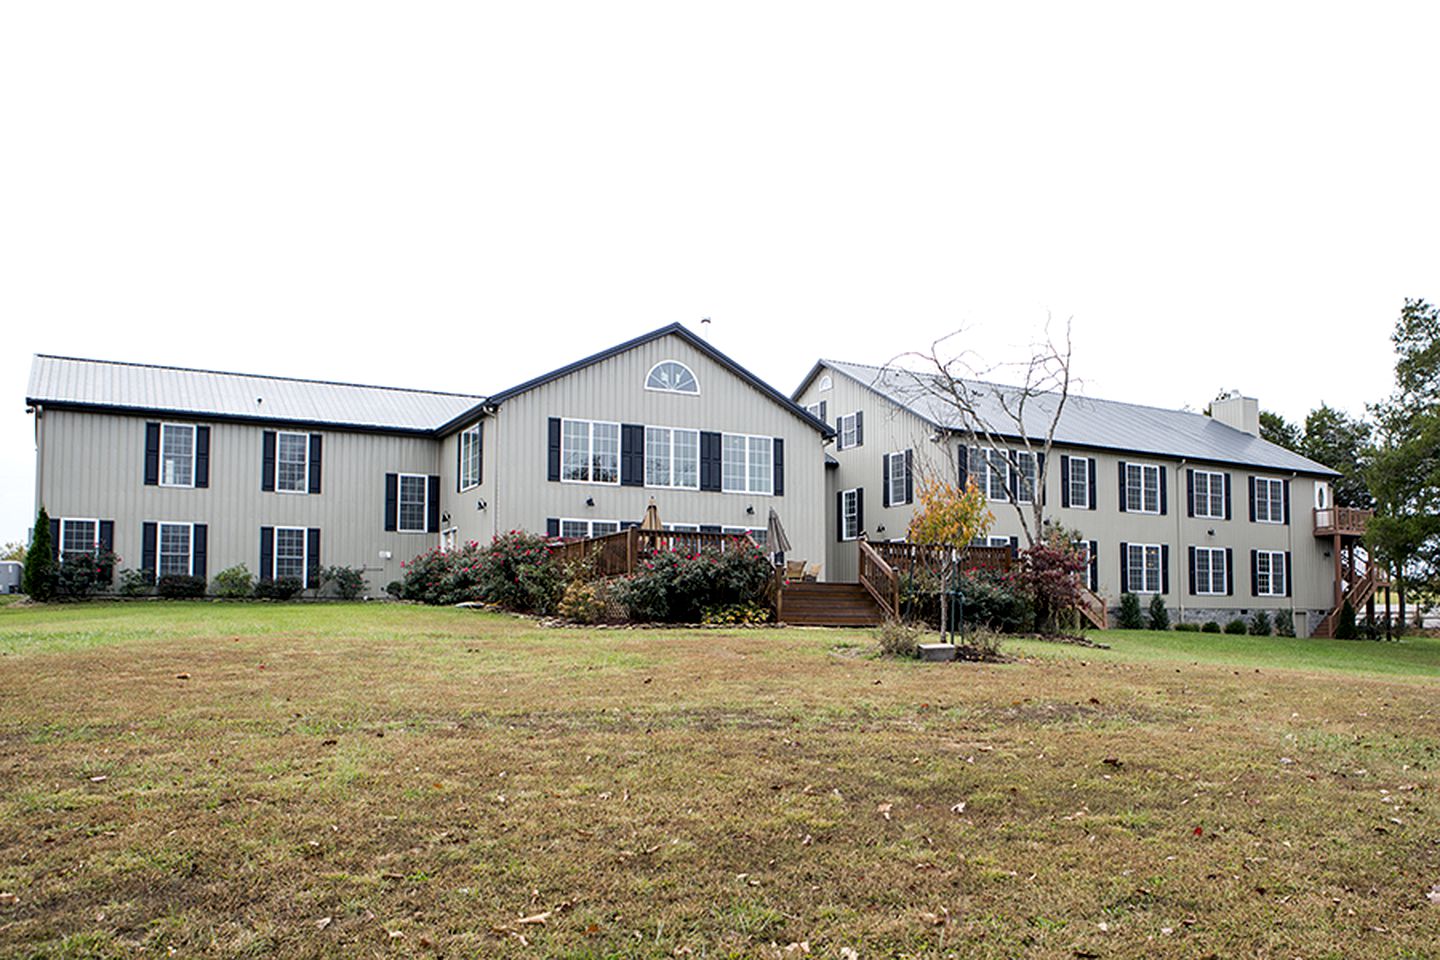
x: 101, y: 779
x: 849, y: 953
x: 936, y: 919
x: 182, y: 676
x: 959, y: 808
x: 1433, y: 896
x: 802, y: 946
x: 535, y: 919
x: 9, y: 898
x: 1112, y: 762
x: 884, y: 810
x: 324, y: 922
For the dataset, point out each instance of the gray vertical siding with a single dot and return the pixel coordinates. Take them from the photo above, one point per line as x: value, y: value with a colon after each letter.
x: 92, y: 465
x: 889, y: 428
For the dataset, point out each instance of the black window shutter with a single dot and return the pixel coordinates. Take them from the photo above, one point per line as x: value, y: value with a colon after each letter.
x: 200, y: 551
x: 1014, y: 546
x: 962, y: 467
x: 1227, y: 496
x: 1192, y: 572
x: 267, y: 461
x: 1040, y: 476
x: 267, y: 553
x: 824, y: 416
x: 839, y: 516
x: 149, y: 535
x: 1124, y: 567
x: 554, y: 459
x: 859, y: 428
x: 1092, y: 482
x: 55, y: 539
x: 312, y: 558
x: 1122, y: 486
x: 778, y: 463
x: 1064, y: 480
x: 152, y: 454
x: 1164, y: 494
x: 1252, y: 499
x: 1229, y: 572
x: 202, y: 456
x: 709, y: 528
x: 552, y: 527
x: 709, y: 461
x: 859, y: 510
x: 392, y: 500
x: 1254, y: 573
x: 910, y: 476
x: 1164, y: 567
x: 1095, y: 565
x: 1285, y: 502
x: 1287, y: 574
x: 885, y: 476
x: 1190, y: 503
x: 432, y: 506
x: 317, y: 443
x: 632, y: 455
x: 107, y: 545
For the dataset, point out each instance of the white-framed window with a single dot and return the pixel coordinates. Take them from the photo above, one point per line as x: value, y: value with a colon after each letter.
x: 672, y: 376
x: 1142, y: 488
x: 757, y: 534
x: 895, y: 478
x: 177, y: 455
x: 1269, y: 500
x: 175, y: 550
x: 1082, y: 549
x: 1209, y: 494
x: 1269, y: 573
x: 79, y: 538
x: 683, y: 527
x: 990, y: 469
x: 850, y: 514
x: 992, y: 541
x: 470, y: 458
x: 413, y: 503
x: 672, y: 458
x: 825, y: 383
x: 590, y: 451
x: 1142, y: 561
x: 574, y: 528
x: 290, y: 553
x: 1078, y: 481
x: 747, y: 463
x: 292, y: 462
x: 1210, y: 573
x: 813, y: 409
x: 848, y: 431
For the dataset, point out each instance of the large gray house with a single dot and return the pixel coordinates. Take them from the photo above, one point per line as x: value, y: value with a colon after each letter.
x: 1197, y: 509
x: 192, y: 471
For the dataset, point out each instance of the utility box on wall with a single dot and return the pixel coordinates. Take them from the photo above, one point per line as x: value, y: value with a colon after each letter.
x: 9, y: 576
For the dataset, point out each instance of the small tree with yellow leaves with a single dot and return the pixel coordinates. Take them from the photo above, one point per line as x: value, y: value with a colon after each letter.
x: 948, y: 517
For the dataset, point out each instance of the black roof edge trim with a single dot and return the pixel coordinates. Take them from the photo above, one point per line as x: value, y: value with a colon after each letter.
x: 696, y: 341
x: 200, y: 416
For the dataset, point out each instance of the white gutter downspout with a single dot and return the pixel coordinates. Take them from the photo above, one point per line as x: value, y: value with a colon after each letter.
x: 1180, y: 546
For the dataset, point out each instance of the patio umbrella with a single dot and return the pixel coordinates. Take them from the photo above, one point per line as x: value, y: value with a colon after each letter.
x: 651, y: 520
x: 775, y: 538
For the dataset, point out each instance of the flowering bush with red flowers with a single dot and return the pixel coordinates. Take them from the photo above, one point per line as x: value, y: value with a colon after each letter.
x: 515, y: 571
x: 83, y: 574
x: 677, y: 587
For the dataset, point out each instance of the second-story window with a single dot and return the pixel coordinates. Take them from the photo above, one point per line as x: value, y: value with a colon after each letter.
x: 747, y: 464
x: 292, y: 462
x: 590, y: 452
x: 1269, y: 500
x: 1142, y: 488
x: 470, y: 458
x: 1209, y: 494
x: 672, y: 458
x: 177, y: 455
x: 851, y: 430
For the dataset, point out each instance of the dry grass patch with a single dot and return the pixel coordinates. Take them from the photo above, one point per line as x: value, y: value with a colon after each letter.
x: 369, y: 781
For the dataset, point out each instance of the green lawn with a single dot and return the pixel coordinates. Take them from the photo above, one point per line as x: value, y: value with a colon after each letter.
x: 233, y: 780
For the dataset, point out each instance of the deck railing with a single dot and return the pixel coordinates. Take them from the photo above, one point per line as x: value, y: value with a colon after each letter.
x: 879, y: 579
x: 1346, y: 521
x: 616, y: 554
x: 911, y: 558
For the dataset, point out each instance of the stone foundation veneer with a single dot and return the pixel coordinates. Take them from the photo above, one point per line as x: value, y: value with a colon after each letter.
x: 1305, y: 620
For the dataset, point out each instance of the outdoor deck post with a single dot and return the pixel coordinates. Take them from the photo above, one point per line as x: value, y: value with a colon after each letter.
x: 1339, y: 584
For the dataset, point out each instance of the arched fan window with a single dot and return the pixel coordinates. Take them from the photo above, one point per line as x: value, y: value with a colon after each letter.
x: 672, y: 376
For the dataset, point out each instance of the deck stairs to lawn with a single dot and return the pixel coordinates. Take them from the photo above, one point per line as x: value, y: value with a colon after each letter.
x: 1360, y: 579
x: 811, y: 604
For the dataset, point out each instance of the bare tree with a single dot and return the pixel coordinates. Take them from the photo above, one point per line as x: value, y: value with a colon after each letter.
x: 1012, y: 421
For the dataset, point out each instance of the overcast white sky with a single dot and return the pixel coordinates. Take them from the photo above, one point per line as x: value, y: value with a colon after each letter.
x: 458, y: 196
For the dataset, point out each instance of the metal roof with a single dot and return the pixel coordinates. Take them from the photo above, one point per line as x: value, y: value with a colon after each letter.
x: 178, y: 391
x: 1084, y: 422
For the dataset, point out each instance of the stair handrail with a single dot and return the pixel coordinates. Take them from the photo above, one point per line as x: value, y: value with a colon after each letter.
x: 1093, y: 607
x: 879, y: 579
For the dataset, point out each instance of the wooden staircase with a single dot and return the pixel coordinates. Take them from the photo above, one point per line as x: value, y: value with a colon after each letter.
x: 810, y: 604
x: 1361, y: 579
x: 1092, y: 608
